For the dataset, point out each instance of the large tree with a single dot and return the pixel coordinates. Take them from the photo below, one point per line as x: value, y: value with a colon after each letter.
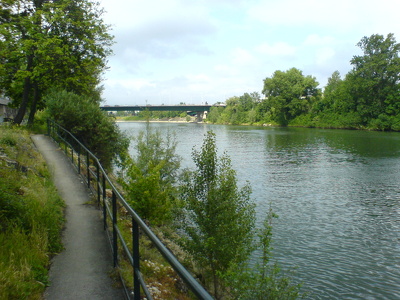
x: 46, y: 43
x: 289, y: 94
x: 374, y: 81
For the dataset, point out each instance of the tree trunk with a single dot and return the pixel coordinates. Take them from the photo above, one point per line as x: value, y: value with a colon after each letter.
x: 36, y: 96
x: 25, y: 96
x: 216, y: 282
x: 24, y: 103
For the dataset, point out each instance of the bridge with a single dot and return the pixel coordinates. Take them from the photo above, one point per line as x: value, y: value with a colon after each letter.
x: 199, y: 110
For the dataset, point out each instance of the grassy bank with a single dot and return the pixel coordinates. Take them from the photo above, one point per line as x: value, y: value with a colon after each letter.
x: 31, y: 217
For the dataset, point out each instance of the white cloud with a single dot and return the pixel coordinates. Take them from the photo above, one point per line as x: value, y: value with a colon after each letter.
x: 324, y: 55
x: 276, y: 49
x: 225, y: 70
x: 167, y: 29
x: 130, y: 84
x: 339, y: 15
x: 242, y: 56
x: 317, y: 40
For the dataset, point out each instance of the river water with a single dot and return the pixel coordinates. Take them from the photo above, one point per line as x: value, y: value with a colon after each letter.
x: 337, y: 194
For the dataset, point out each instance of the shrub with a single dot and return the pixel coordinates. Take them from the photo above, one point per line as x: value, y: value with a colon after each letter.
x: 94, y: 128
x: 149, y: 177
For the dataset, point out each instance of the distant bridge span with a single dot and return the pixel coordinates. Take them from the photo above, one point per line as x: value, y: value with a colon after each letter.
x: 187, y: 108
x: 199, y: 110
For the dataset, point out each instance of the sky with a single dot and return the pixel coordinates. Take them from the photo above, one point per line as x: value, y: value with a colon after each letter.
x: 197, y: 51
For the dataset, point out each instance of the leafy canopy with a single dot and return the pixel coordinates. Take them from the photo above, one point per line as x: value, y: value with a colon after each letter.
x: 46, y: 44
x: 289, y: 94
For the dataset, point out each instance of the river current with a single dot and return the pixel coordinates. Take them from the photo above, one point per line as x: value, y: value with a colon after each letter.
x: 337, y: 194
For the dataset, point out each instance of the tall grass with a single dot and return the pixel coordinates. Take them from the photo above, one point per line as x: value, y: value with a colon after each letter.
x: 31, y: 217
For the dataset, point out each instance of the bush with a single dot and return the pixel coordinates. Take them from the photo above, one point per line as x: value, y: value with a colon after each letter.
x: 94, y: 128
x: 149, y: 177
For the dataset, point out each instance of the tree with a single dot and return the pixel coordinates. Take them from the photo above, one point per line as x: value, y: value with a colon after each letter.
x: 218, y: 217
x: 374, y: 80
x: 45, y: 43
x: 289, y: 94
x: 149, y: 178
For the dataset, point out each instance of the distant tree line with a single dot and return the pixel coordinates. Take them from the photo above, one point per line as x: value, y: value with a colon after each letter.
x: 368, y: 97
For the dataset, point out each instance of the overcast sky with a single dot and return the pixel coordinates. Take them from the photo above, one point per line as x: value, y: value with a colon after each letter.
x: 196, y: 51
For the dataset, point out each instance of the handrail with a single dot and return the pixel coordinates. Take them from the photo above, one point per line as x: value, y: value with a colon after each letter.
x: 101, y: 180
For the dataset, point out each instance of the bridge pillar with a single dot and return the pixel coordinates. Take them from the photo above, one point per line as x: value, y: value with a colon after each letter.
x: 200, y: 116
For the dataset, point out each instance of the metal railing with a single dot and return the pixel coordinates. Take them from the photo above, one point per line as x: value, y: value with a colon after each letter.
x: 97, y: 180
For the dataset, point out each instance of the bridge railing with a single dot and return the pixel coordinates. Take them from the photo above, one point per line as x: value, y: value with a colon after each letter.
x: 99, y: 182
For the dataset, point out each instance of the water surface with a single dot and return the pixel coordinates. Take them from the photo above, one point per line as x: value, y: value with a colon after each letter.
x: 337, y: 194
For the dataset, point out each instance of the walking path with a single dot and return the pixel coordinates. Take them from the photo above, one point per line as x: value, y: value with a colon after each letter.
x: 82, y: 270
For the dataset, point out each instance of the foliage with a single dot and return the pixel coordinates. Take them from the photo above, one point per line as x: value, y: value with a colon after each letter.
x: 82, y: 116
x: 51, y: 43
x: 375, y: 78
x: 31, y: 217
x: 289, y: 94
x: 162, y: 114
x: 264, y: 280
x: 218, y: 217
x: 149, y: 178
x: 239, y: 110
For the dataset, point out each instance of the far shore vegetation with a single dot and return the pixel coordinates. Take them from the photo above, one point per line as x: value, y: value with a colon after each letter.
x: 368, y: 97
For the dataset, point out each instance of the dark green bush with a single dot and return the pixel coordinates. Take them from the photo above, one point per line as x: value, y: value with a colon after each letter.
x: 82, y: 116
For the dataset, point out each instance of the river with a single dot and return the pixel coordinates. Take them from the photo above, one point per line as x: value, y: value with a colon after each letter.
x: 337, y: 194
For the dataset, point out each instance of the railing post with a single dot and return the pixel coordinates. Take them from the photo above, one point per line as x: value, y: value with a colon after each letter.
x: 104, y: 202
x: 98, y: 184
x: 136, y: 259
x: 114, y: 224
x: 58, y: 135
x: 66, y: 146
x: 79, y: 159
x: 48, y: 127
x: 88, y: 169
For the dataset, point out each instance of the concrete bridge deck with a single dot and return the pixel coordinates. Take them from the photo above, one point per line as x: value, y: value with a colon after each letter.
x: 192, y: 108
